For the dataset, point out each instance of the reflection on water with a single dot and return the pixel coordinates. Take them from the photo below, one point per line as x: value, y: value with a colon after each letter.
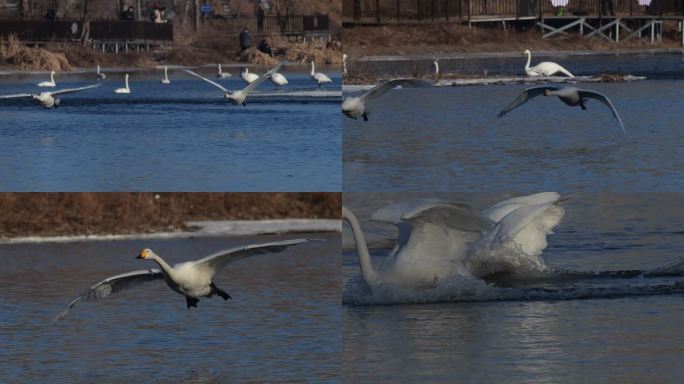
x: 282, y: 325
x: 446, y: 139
x: 594, y: 340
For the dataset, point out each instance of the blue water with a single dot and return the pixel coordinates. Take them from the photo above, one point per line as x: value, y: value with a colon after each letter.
x: 180, y: 137
x: 281, y: 325
x: 565, y: 338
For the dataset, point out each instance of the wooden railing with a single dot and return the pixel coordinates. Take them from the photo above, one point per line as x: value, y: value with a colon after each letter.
x: 43, y: 31
x: 279, y: 25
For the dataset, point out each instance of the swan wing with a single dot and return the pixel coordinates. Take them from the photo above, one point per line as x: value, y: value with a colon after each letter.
x: 386, y: 85
x: 525, y: 96
x: 583, y: 93
x: 251, y: 86
x: 217, y: 85
x: 16, y: 96
x: 220, y: 259
x: 112, y: 285
x: 392, y: 214
x: 72, y: 90
x: 499, y: 210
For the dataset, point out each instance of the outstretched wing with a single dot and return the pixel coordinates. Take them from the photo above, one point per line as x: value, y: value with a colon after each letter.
x: 526, y: 95
x: 499, y: 210
x: 583, y: 93
x: 217, y: 85
x: 16, y: 96
x: 386, y: 85
x: 112, y: 285
x: 72, y: 90
x: 220, y: 259
x: 250, y: 87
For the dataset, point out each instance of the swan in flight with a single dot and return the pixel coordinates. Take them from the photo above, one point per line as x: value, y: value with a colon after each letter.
x: 545, y: 68
x: 192, y: 279
x: 50, y: 83
x: 100, y: 75
x: 238, y: 97
x: 355, y: 107
x: 124, y: 90
x: 278, y: 79
x: 222, y: 75
x: 48, y: 99
x: 166, y: 80
x: 344, y: 63
x: 439, y: 239
x: 247, y: 77
x: 319, y: 77
x: 569, y: 95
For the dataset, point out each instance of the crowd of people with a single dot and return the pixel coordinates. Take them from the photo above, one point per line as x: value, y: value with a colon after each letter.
x: 156, y: 15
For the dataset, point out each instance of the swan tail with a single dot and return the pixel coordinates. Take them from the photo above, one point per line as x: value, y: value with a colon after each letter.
x: 220, y: 292
x: 191, y: 301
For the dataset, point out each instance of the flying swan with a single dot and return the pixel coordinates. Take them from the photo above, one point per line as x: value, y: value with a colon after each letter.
x: 166, y: 80
x: 124, y: 90
x: 247, y: 77
x: 439, y: 239
x: 569, y: 95
x: 192, y: 279
x: 355, y: 107
x: 222, y: 75
x: 238, y: 97
x: 319, y: 77
x: 48, y: 99
x: 50, y: 83
x: 545, y: 68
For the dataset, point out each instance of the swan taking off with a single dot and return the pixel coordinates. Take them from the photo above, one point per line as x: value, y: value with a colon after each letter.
x: 440, y: 239
x: 238, y: 97
x: 192, y: 279
x: 100, y: 75
x: 247, y: 77
x: 124, y: 90
x: 319, y: 77
x: 166, y: 80
x: 222, y: 75
x: 545, y: 68
x: 278, y: 79
x: 50, y: 83
x: 355, y: 107
x: 569, y: 95
x: 48, y: 99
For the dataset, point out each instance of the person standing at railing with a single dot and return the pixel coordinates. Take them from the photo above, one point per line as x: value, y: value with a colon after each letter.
x: 245, y: 40
x: 262, y: 6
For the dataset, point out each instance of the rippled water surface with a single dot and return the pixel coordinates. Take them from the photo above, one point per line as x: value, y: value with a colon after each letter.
x: 282, y: 325
x: 580, y: 333
x: 181, y: 137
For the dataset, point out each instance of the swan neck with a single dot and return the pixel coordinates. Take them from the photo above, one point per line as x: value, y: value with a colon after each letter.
x: 529, y: 60
x: 313, y: 70
x: 436, y: 68
x: 126, y: 81
x: 52, y: 76
x: 370, y: 276
x: 164, y: 266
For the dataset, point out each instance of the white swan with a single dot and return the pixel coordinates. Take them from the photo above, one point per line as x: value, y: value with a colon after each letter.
x: 319, y: 77
x: 238, y: 97
x: 192, y: 279
x: 124, y: 90
x: 50, y: 83
x: 278, y: 79
x: 435, y: 66
x: 222, y: 75
x: 344, y: 63
x: 247, y: 77
x: 100, y: 75
x: 545, y: 68
x: 48, y: 99
x: 166, y: 80
x: 439, y: 239
x: 569, y: 95
x: 355, y: 107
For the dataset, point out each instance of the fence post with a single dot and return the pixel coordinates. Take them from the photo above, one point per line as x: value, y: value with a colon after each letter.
x: 377, y: 10
x: 446, y: 9
x: 398, y: 12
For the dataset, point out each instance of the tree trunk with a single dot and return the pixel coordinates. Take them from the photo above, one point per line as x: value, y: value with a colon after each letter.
x: 197, y: 14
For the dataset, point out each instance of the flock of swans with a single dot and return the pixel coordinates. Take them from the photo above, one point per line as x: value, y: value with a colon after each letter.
x: 237, y: 97
x: 354, y: 107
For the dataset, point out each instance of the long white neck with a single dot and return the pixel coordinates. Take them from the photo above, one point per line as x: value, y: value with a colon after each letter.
x: 98, y: 69
x: 344, y: 64
x: 369, y: 275
x: 126, y: 81
x: 529, y: 60
x: 167, y: 268
x: 313, y: 69
x: 166, y: 73
x: 436, y: 67
x: 219, y: 69
x: 52, y: 76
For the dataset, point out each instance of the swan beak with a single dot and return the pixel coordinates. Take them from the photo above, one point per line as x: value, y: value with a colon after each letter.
x: 142, y: 255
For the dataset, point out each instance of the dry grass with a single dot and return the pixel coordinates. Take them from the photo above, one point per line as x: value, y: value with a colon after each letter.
x: 51, y: 214
x: 14, y: 54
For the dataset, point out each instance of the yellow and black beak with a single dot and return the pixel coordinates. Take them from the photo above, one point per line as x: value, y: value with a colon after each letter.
x: 142, y: 254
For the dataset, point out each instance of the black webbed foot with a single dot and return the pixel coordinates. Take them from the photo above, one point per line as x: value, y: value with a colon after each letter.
x: 220, y: 292
x: 191, y: 301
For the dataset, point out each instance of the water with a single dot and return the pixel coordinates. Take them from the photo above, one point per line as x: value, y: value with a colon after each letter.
x: 598, y: 339
x: 446, y: 139
x: 180, y: 137
x: 282, y: 325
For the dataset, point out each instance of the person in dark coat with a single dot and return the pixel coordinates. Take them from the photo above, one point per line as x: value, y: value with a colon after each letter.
x: 245, y: 40
x: 51, y: 15
x: 265, y: 47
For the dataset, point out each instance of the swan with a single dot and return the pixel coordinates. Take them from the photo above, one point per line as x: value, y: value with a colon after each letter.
x: 355, y: 107
x: 50, y: 83
x: 166, y: 80
x: 344, y: 63
x: 545, y: 68
x: 124, y: 90
x: 435, y: 66
x: 222, y: 75
x: 49, y: 99
x: 248, y: 78
x: 569, y: 95
x: 192, y: 279
x: 100, y: 75
x: 278, y: 79
x: 439, y: 239
x: 319, y: 77
x: 238, y: 97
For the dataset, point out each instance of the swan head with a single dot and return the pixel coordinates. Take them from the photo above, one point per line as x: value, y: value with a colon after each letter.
x: 52, y: 72
x: 145, y: 254
x: 527, y: 52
